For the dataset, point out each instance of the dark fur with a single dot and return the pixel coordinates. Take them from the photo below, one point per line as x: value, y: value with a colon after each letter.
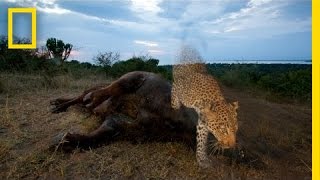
x: 143, y: 97
x: 137, y: 107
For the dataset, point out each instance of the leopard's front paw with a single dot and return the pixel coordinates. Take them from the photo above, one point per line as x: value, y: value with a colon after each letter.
x: 204, y: 162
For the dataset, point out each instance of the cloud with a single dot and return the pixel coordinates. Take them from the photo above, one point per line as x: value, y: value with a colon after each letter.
x: 47, y: 6
x: 52, y: 7
x: 259, y: 18
x: 54, y: 10
x: 230, y: 29
x: 255, y: 3
x: 152, y: 48
x: 36, y: 3
x: 151, y: 6
x: 156, y: 52
x: 208, y: 25
x: 146, y: 43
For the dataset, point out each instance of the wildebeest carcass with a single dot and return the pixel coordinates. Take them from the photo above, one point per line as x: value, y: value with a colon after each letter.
x: 135, y: 106
x: 143, y: 97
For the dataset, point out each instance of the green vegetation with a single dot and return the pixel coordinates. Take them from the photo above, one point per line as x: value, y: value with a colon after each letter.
x: 280, y: 134
x: 289, y: 82
x: 58, y: 50
x: 50, y: 61
x: 139, y: 64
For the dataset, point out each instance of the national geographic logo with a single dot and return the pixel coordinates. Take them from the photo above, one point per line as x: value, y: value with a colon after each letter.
x: 33, y: 44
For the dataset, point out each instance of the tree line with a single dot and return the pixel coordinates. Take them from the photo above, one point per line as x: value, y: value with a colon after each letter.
x: 55, y: 51
x: 51, y: 59
x: 291, y: 81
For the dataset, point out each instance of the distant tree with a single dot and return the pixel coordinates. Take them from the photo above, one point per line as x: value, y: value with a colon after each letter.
x: 107, y: 59
x: 143, y: 57
x: 86, y: 65
x: 74, y: 62
x: 58, y: 49
x: 135, y: 63
x: 152, y: 64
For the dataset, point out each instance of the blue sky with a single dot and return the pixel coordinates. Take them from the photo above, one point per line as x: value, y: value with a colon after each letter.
x: 219, y: 29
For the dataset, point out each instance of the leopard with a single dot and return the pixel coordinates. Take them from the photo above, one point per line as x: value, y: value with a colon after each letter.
x: 195, y: 88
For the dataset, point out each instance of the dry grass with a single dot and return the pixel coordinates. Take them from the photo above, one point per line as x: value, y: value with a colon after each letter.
x: 280, y: 134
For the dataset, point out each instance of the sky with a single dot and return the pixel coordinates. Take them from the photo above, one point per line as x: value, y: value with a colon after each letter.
x: 218, y: 29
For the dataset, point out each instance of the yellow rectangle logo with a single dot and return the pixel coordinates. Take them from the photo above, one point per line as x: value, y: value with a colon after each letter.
x: 33, y: 12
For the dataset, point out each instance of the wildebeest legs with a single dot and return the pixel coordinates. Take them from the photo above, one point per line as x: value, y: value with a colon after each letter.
x: 93, y: 97
x: 127, y: 83
x: 107, y: 107
x: 103, y: 134
x: 62, y: 104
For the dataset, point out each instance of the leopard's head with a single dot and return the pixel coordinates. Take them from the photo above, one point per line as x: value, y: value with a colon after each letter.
x: 222, y: 122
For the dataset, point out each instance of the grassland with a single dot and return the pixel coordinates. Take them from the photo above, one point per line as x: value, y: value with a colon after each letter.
x: 278, y: 133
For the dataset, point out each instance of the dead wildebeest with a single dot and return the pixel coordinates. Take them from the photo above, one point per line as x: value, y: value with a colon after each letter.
x: 146, y: 99
x: 143, y: 97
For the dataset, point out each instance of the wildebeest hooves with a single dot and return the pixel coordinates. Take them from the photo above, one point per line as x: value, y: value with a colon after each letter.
x: 54, y: 102
x: 57, y: 101
x: 57, y: 141
x: 58, y: 109
x: 61, y: 142
x: 87, y: 98
x: 57, y: 105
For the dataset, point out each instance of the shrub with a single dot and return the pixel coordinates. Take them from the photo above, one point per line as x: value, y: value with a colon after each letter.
x: 138, y: 64
x: 291, y: 81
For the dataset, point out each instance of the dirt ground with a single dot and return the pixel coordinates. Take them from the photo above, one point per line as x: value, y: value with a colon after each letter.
x: 278, y: 134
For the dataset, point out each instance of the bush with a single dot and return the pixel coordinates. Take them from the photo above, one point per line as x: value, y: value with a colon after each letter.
x: 138, y: 64
x: 293, y: 84
x: 290, y: 81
